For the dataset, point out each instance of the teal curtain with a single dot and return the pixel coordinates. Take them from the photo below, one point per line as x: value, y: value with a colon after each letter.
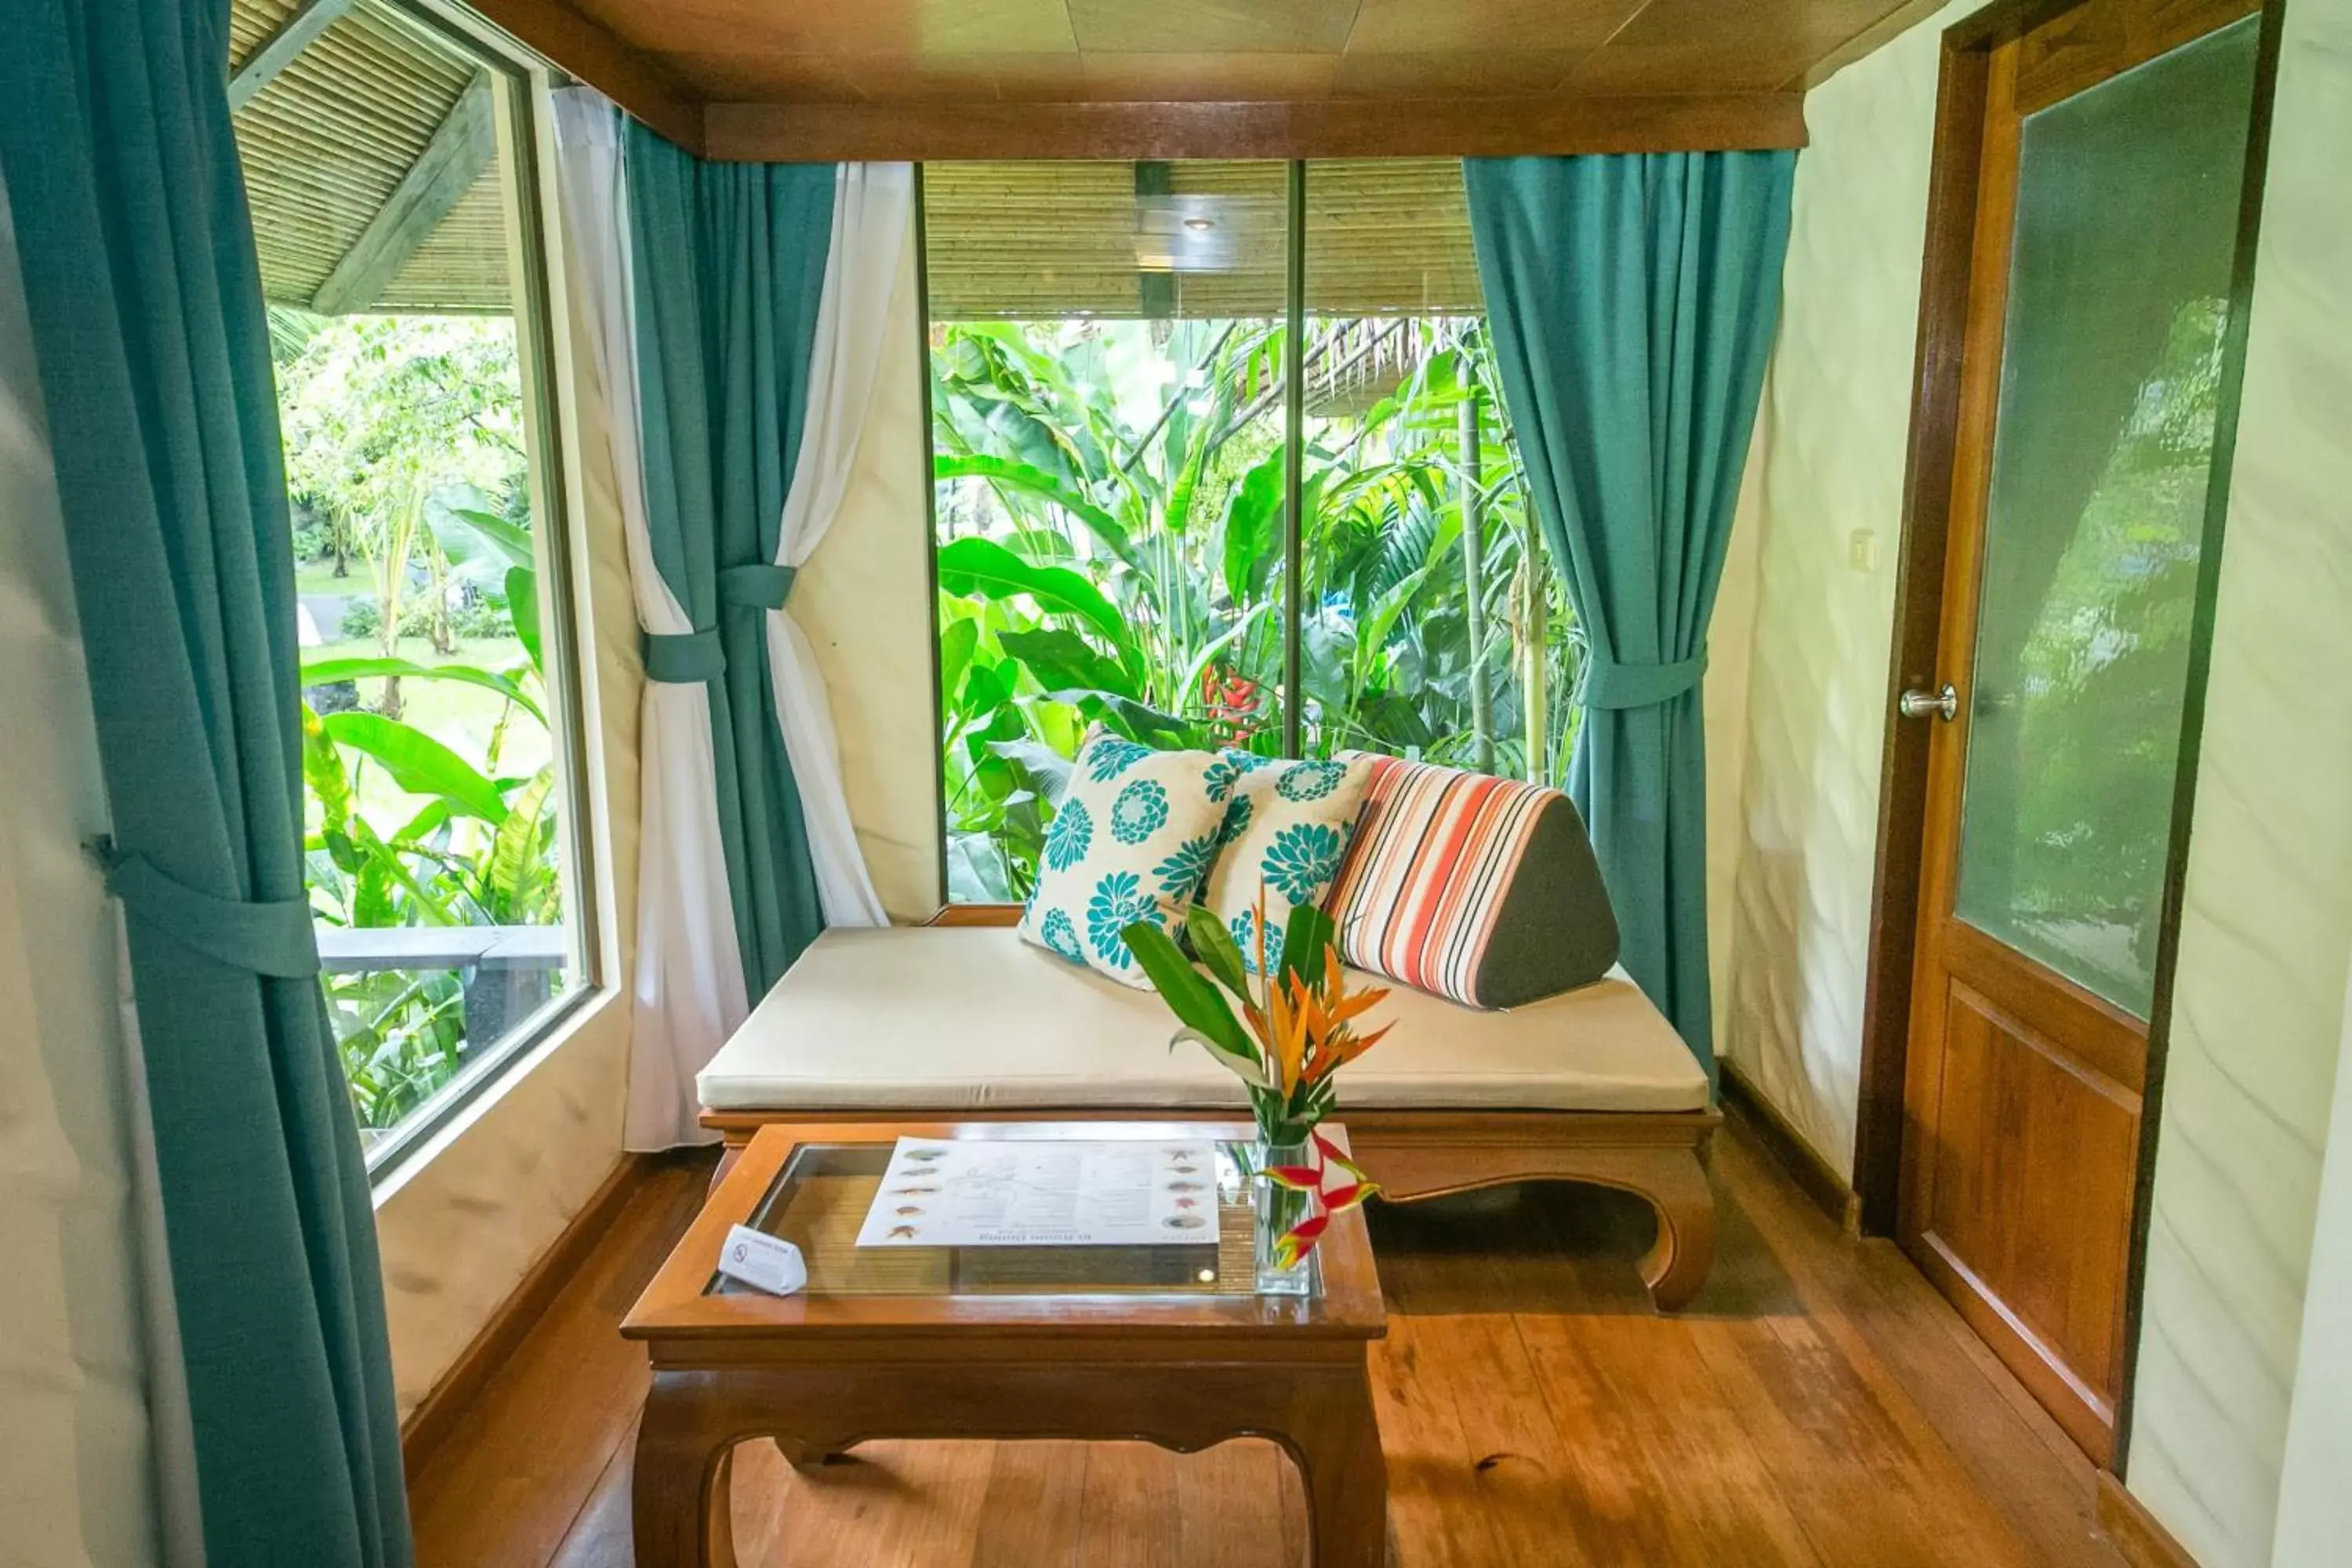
x: 148, y: 324
x: 1632, y: 300
x: 728, y: 263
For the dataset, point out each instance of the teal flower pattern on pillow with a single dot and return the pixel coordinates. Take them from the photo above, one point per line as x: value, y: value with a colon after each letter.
x: 1108, y: 757
x: 1118, y: 902
x: 1310, y: 780
x: 1063, y: 937
x: 1135, y: 839
x: 1237, y: 821
x: 1182, y: 873
x: 1222, y: 775
x: 1139, y: 812
x: 1244, y: 929
x: 1067, y: 840
x: 1302, y: 861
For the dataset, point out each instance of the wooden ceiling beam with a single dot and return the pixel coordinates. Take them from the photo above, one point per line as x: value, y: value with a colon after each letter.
x: 1335, y: 127
x: 644, y: 86
x: 277, y: 51
x: 461, y: 148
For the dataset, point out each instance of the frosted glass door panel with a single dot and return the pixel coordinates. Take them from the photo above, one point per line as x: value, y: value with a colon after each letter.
x: 2127, y: 226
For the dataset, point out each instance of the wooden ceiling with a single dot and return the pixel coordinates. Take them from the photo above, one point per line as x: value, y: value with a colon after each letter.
x: 975, y: 74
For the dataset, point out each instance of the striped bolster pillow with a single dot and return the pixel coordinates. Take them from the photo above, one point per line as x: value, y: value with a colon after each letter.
x: 1481, y: 889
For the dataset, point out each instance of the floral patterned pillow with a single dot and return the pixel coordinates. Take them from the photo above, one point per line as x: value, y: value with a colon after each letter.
x: 1286, y: 829
x: 1133, y: 840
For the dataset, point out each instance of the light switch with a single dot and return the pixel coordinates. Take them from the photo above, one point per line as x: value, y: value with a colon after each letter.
x: 1862, y: 550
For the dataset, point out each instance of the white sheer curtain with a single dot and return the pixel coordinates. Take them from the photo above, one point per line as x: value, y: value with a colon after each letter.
x: 687, y: 993
x: 873, y: 216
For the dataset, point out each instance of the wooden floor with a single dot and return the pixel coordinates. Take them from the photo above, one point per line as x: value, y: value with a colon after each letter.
x: 1819, y: 1405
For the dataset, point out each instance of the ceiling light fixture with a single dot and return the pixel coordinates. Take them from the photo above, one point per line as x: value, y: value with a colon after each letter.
x: 1199, y: 225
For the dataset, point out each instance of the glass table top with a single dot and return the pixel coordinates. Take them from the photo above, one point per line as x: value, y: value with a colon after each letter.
x: 819, y: 1200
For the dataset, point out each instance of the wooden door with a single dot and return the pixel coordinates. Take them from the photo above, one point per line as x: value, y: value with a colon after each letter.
x: 2107, y: 210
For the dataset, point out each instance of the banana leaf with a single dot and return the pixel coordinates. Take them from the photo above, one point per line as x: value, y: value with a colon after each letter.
x: 331, y: 671
x: 1253, y: 527
x: 1063, y: 661
x: 974, y: 566
x: 417, y: 763
x: 1028, y: 478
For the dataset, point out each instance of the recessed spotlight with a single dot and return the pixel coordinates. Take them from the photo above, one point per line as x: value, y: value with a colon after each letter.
x: 1199, y: 225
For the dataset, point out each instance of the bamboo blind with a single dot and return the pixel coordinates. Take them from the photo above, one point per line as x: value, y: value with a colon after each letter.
x: 1025, y: 240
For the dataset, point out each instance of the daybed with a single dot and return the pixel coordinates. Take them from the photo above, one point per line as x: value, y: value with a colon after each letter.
x: 968, y: 1020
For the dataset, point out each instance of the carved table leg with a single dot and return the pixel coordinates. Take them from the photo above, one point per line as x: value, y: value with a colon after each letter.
x: 1338, y: 1448
x: 1320, y: 1412
x: 679, y: 1491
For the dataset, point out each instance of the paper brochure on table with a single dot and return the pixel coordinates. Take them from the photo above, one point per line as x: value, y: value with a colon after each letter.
x: 974, y: 1193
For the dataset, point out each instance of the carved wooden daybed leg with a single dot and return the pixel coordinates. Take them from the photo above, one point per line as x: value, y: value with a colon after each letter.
x: 1676, y: 1264
x: 1426, y: 1154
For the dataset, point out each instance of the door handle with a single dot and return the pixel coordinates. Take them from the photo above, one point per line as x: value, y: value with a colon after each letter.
x: 1944, y: 704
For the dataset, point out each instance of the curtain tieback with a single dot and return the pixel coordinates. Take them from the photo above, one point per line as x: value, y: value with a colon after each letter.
x: 762, y: 587
x: 689, y: 659
x: 267, y: 936
x: 1610, y: 684
x: 684, y: 658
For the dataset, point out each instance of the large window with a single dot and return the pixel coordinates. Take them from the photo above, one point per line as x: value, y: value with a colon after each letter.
x: 1128, y: 385
x: 389, y: 165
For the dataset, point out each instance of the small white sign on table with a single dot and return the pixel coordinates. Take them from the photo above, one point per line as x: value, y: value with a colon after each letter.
x: 973, y: 1193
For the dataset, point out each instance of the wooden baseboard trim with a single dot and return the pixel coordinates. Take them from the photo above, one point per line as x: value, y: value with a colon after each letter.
x: 437, y: 1414
x: 1813, y: 1176
x: 2134, y: 1531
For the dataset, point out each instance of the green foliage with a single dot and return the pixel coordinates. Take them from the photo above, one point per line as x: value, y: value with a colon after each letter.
x: 404, y: 436
x: 480, y: 851
x: 1110, y: 498
x: 2074, y: 760
x: 404, y: 441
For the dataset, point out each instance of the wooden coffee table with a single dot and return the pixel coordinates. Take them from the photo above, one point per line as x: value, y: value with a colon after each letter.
x: 1167, y: 1345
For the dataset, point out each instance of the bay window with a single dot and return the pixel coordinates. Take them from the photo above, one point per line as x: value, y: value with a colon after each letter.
x: 1220, y: 459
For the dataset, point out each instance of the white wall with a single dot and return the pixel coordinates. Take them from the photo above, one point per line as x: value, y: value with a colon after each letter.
x: 2314, y: 1514
x: 864, y: 600
x: 1827, y: 465
x: 75, y: 1479
x: 2266, y: 931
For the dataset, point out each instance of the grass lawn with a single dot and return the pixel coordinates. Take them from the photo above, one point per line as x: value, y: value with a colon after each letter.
x: 459, y: 716
x: 318, y: 577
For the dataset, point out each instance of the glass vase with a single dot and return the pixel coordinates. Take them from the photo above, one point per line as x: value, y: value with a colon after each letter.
x: 1279, y: 1209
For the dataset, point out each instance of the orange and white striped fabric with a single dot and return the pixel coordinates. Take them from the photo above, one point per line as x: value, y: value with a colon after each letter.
x: 1434, y: 854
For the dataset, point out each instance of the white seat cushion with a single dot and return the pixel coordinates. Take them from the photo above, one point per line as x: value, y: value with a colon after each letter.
x: 958, y: 1018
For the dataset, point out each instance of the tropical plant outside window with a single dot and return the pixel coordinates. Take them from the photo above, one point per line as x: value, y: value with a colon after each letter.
x: 1110, y: 351
x: 380, y: 163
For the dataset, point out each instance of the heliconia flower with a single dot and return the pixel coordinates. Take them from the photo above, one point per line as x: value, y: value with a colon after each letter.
x: 1298, y: 1178
x: 1299, y: 1240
